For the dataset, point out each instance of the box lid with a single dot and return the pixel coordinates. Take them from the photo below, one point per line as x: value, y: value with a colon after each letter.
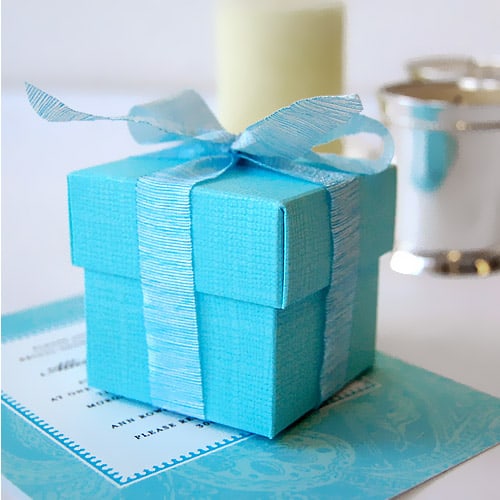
x: 258, y: 236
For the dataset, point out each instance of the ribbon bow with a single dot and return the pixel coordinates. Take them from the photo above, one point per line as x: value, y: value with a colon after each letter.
x: 282, y: 142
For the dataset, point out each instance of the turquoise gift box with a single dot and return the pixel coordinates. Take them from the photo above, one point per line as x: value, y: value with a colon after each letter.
x: 262, y: 257
x: 231, y: 278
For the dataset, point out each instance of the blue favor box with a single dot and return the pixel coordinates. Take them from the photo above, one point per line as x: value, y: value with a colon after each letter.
x: 262, y: 257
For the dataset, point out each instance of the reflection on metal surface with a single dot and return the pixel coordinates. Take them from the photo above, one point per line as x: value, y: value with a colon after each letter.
x: 452, y: 263
x: 440, y: 68
x: 447, y: 142
x: 482, y: 77
x: 483, y: 267
x: 470, y: 74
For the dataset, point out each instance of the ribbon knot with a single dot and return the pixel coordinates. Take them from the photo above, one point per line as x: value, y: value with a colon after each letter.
x: 282, y: 142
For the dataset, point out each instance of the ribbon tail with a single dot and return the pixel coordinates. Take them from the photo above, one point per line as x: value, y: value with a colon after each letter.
x: 168, y: 285
x: 53, y: 110
x: 159, y: 121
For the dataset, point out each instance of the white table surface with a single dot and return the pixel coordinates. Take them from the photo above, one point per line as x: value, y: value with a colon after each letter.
x: 450, y: 326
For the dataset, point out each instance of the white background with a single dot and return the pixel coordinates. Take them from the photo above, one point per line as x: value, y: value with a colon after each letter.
x: 164, y: 44
x: 103, y: 56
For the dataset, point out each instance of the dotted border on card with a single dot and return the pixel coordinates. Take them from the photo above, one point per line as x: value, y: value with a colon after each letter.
x: 356, y: 389
x: 109, y: 472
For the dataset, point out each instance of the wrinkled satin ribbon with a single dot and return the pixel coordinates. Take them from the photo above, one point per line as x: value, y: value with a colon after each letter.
x: 281, y: 142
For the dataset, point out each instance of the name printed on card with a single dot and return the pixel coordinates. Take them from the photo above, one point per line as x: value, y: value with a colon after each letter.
x: 44, y: 379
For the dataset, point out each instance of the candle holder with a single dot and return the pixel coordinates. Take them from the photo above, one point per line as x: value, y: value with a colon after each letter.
x: 447, y: 139
x: 271, y: 53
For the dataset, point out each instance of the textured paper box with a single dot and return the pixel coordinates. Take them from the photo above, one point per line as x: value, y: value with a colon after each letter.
x: 385, y: 433
x: 262, y: 250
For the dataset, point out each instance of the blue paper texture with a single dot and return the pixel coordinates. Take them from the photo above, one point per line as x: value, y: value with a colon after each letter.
x: 255, y: 228
x: 396, y: 427
x: 262, y: 253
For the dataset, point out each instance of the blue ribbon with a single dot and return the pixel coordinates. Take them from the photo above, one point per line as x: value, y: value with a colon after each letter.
x: 281, y: 142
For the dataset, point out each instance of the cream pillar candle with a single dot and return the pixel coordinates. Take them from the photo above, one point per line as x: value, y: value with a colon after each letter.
x: 273, y: 52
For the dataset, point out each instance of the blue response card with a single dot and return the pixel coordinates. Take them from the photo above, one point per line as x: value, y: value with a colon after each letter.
x: 390, y: 430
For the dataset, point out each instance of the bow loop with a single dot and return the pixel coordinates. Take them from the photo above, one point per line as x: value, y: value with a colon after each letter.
x: 288, y: 134
x: 283, y: 142
x: 292, y: 132
x: 357, y: 124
